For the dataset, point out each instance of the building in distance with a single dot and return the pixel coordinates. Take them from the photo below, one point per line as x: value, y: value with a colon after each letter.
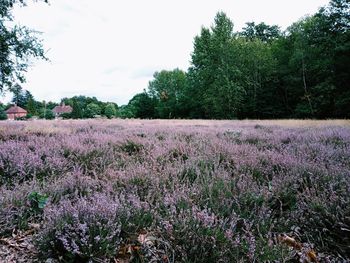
x: 16, y: 112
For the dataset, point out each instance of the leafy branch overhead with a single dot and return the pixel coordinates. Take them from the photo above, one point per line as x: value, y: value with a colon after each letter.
x: 18, y: 45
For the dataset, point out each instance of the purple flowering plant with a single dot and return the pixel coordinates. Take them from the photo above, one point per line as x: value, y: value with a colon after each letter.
x: 204, y: 191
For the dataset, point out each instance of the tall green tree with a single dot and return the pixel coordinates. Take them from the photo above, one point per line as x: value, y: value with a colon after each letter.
x: 19, y: 95
x: 214, y: 77
x: 200, y: 76
x: 257, y: 66
x: 167, y: 88
x: 261, y: 72
x: 30, y: 103
x: 314, y: 65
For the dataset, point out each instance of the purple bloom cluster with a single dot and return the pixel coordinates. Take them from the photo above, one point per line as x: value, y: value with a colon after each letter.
x: 212, y: 191
x: 82, y: 229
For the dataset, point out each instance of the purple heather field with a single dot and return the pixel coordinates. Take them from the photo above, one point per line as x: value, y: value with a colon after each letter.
x: 175, y: 191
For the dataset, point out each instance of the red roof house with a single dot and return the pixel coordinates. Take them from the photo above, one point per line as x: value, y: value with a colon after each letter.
x: 16, y: 112
x: 58, y: 110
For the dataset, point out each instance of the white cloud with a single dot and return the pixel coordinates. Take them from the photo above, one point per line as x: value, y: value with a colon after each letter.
x: 110, y: 49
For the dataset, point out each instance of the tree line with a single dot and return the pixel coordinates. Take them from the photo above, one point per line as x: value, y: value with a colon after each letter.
x: 260, y: 72
x: 82, y: 106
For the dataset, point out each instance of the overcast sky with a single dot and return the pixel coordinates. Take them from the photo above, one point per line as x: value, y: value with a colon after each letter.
x: 111, y: 48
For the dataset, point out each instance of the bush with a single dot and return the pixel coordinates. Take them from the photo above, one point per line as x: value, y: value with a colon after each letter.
x: 20, y: 208
x: 81, y: 231
x: 131, y: 147
x: 212, y: 193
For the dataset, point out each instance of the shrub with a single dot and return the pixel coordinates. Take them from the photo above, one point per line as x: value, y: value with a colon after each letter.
x: 131, y: 147
x: 20, y: 207
x: 218, y: 193
x: 81, y: 230
x: 71, y: 186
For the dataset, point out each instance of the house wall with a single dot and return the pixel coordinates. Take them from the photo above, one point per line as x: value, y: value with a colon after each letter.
x: 13, y: 116
x: 10, y: 116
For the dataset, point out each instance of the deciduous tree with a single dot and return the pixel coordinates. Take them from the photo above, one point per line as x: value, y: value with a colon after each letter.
x: 18, y: 44
x: 110, y: 111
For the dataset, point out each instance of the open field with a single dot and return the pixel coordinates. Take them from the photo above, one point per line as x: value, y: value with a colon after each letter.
x: 175, y: 191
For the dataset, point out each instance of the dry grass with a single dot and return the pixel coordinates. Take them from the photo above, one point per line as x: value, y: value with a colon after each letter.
x: 65, y: 126
x: 188, y: 122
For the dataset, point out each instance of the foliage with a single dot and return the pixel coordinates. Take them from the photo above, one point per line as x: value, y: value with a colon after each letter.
x: 77, y: 112
x: 142, y: 105
x: 131, y: 147
x: 18, y: 44
x: 215, y: 89
x: 66, y: 115
x: 31, y: 105
x: 167, y: 89
x: 128, y: 111
x: 3, y: 115
x: 92, y: 110
x: 19, y: 96
x: 23, y: 98
x: 261, y: 31
x: 46, y: 114
x: 83, y: 231
x: 83, y: 107
x: 110, y: 111
x: 261, y: 72
x: 37, y: 201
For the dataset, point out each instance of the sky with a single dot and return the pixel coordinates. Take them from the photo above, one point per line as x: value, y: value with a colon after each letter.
x: 110, y: 49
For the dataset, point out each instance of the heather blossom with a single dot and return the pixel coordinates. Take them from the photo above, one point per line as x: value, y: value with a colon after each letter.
x: 201, y: 191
